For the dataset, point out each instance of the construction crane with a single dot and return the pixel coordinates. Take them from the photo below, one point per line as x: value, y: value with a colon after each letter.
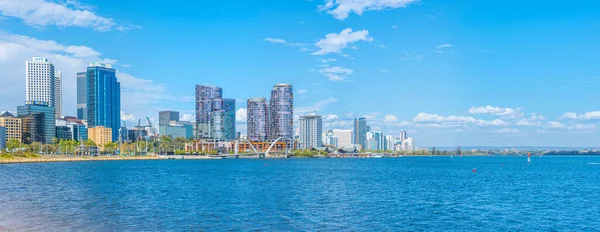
x: 151, y: 131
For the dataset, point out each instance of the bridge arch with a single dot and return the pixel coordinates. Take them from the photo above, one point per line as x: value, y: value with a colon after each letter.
x: 237, y: 143
x: 275, y: 142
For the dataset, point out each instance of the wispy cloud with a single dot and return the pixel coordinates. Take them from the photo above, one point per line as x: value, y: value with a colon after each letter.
x: 42, y: 13
x: 275, y: 40
x: 443, y: 48
x: 336, y: 73
x: 335, y: 43
x: 340, y: 9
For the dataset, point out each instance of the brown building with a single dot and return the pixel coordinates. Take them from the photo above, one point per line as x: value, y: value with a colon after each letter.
x: 14, y: 126
x: 100, y: 135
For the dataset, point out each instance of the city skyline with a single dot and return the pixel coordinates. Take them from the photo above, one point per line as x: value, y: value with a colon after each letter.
x: 448, y: 75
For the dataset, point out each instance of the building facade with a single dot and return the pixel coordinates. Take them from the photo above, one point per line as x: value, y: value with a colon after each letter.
x: 329, y: 139
x: 165, y: 117
x: 223, y: 119
x: 344, y: 138
x: 40, y: 81
x: 281, y: 112
x: 2, y: 138
x: 403, y: 136
x: 38, y: 122
x: 204, y: 97
x: 257, y: 117
x: 13, y: 126
x: 58, y: 94
x: 311, y: 131
x: 103, y: 98
x: 82, y: 95
x: 100, y: 135
x: 215, y: 115
x: 359, y: 134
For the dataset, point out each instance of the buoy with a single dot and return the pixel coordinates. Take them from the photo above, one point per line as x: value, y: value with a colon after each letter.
x: 474, y: 170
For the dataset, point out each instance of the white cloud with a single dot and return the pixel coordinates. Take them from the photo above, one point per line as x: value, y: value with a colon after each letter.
x: 533, y: 120
x: 583, y: 127
x: 241, y: 115
x: 340, y: 9
x: 395, y: 26
x: 385, y: 70
x: 42, y: 13
x: 127, y: 117
x: 275, y: 40
x: 434, y: 118
x: 498, y: 111
x: 390, y: 118
x: 330, y: 117
x: 188, y: 118
x: 507, y: 131
x: 443, y: 48
x: 327, y: 60
x: 336, y: 73
x: 568, y: 115
x: 335, y: 43
x: 302, y: 91
x: 593, y: 115
x: 555, y: 125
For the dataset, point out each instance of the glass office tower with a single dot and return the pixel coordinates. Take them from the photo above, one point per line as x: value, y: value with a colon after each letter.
x: 103, y: 98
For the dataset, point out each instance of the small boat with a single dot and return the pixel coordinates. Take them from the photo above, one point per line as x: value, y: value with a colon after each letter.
x: 377, y: 155
x: 529, y: 157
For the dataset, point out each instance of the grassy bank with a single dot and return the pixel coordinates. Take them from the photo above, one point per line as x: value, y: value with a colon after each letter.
x: 10, y: 158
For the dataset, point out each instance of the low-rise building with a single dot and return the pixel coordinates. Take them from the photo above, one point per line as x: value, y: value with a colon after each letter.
x: 13, y: 126
x: 100, y: 135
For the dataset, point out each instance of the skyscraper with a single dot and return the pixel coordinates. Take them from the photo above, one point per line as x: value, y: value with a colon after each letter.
x: 82, y: 96
x: 281, y: 112
x: 257, y: 119
x: 38, y: 122
x: 311, y: 131
x: 223, y: 119
x: 204, y: 96
x: 359, y: 134
x: 58, y: 94
x: 402, y: 136
x: 165, y: 117
x: 215, y: 116
x: 40, y: 81
x: 103, y: 98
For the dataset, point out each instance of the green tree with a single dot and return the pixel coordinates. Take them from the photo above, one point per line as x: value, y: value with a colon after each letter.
x: 13, y: 144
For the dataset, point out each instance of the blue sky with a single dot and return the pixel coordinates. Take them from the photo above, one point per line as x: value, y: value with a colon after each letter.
x: 466, y: 72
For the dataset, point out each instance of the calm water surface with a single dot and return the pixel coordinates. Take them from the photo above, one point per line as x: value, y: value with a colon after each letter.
x: 405, y: 194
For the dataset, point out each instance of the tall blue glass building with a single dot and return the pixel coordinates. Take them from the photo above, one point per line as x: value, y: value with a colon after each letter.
x: 103, y: 98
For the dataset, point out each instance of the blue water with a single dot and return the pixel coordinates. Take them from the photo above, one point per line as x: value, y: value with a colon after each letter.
x: 404, y: 194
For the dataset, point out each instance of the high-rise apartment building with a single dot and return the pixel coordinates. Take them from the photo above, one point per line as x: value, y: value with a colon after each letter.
x: 58, y: 94
x: 41, y: 83
x: 38, y: 122
x: 82, y: 95
x: 281, y: 112
x: 103, y: 98
x: 359, y: 134
x: 215, y: 116
x: 100, y: 135
x: 402, y: 136
x: 329, y: 139
x: 257, y: 116
x: 311, y: 131
x: 13, y: 126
